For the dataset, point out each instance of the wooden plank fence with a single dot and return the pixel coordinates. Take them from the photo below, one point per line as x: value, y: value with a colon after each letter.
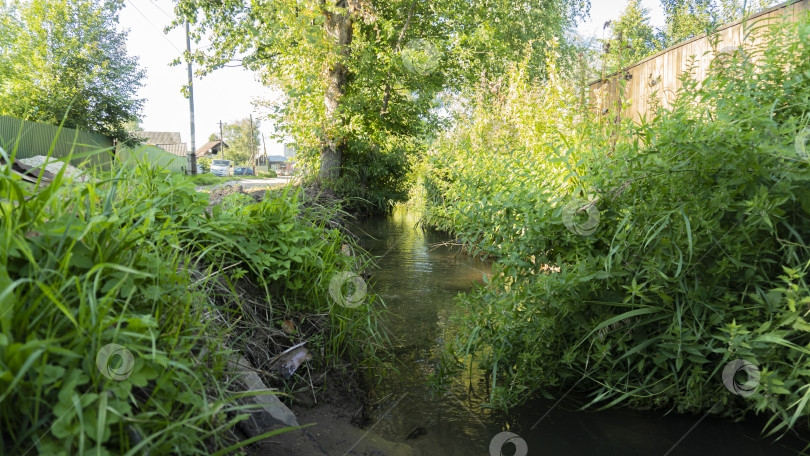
x: 656, y: 78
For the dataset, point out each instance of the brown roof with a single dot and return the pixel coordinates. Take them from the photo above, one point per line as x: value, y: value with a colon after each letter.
x: 202, y: 150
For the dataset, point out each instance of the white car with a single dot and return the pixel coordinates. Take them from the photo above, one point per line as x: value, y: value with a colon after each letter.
x: 221, y: 168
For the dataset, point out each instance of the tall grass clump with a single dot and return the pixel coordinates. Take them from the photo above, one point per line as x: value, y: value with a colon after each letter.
x: 130, y: 260
x: 642, y: 258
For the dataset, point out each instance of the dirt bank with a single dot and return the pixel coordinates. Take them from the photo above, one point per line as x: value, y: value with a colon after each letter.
x: 324, y: 393
x: 332, y: 431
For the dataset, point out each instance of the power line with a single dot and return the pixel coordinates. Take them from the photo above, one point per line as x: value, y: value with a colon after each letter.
x: 155, y: 27
x: 162, y: 10
x: 154, y: 3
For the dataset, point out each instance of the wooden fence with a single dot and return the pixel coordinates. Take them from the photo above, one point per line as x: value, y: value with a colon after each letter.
x: 656, y: 78
x: 27, y: 139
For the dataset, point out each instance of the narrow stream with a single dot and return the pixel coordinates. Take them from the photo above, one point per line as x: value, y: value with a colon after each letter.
x: 418, y: 281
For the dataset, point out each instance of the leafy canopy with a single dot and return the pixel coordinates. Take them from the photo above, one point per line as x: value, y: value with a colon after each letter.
x: 633, y: 37
x: 237, y: 135
x: 384, y: 95
x: 688, y: 18
x: 66, y: 59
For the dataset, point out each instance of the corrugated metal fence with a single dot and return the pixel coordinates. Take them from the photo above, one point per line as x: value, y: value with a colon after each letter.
x: 90, y: 149
x: 153, y: 155
x: 656, y: 78
x: 35, y: 138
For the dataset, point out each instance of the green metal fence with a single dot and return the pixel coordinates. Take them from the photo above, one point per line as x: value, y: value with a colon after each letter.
x: 154, y: 156
x: 29, y: 139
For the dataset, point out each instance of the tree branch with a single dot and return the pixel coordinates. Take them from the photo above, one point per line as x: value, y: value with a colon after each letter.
x: 387, y: 96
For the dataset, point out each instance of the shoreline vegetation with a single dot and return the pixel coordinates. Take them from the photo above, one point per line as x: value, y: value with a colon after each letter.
x: 659, y: 265
x: 124, y: 297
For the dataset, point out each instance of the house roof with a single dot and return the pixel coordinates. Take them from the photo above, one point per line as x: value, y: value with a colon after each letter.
x: 158, y: 138
x: 276, y: 158
x: 202, y: 150
x: 177, y: 149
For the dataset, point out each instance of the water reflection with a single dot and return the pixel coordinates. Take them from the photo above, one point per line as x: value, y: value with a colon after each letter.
x: 419, y: 282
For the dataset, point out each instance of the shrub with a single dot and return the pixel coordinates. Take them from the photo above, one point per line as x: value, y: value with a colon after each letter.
x: 698, y: 258
x: 127, y: 261
x: 375, y: 176
x: 205, y: 163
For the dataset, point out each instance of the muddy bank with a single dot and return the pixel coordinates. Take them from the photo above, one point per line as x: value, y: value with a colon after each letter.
x: 331, y: 430
x: 275, y: 341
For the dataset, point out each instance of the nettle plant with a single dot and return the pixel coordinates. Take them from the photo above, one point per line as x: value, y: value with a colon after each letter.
x: 85, y: 265
x: 129, y: 259
x: 698, y: 257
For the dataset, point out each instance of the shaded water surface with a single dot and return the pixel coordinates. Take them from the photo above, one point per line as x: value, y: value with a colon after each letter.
x: 418, y: 281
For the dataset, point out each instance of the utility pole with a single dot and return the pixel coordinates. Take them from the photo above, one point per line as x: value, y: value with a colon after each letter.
x: 221, y: 142
x: 252, y: 145
x: 264, y: 145
x: 192, y: 157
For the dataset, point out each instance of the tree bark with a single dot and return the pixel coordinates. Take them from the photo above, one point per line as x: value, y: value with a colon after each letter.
x: 339, y: 26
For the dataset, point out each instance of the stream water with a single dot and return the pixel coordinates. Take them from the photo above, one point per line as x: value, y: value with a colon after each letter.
x: 418, y: 280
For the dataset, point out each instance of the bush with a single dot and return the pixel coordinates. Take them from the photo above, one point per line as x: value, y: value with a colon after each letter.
x: 698, y: 257
x: 375, y: 177
x: 205, y: 163
x: 267, y: 174
x: 128, y: 261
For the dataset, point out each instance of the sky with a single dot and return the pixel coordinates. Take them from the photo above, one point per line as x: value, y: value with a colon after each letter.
x: 227, y: 94
x: 606, y: 10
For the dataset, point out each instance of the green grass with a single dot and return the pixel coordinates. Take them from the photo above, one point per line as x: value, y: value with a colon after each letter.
x: 210, y: 179
x: 700, y: 255
x: 131, y: 259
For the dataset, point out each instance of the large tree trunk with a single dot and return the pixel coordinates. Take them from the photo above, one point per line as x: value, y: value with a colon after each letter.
x: 338, y: 27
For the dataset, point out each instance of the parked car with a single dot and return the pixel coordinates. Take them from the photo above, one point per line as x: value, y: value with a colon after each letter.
x: 243, y: 171
x: 221, y: 168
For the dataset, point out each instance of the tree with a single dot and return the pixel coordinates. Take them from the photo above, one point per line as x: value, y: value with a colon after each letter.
x: 688, y: 18
x: 357, y: 74
x: 237, y: 135
x: 731, y: 10
x: 633, y: 37
x: 65, y: 59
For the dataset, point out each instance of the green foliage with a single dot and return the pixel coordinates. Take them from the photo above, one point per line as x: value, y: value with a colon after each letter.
x: 63, y: 59
x: 373, y: 181
x: 688, y: 18
x: 633, y: 38
x: 204, y: 163
x: 699, y: 257
x: 130, y: 260
x: 241, y: 147
x: 81, y: 270
x: 269, y: 174
x: 343, y: 72
x: 210, y: 179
